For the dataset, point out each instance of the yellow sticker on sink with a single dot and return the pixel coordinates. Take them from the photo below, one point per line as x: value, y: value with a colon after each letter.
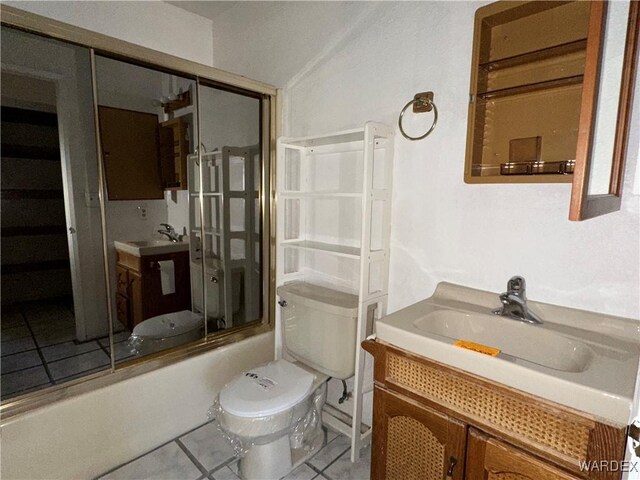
x: 477, y: 347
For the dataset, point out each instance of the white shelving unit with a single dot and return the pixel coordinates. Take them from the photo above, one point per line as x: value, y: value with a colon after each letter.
x: 334, y: 209
x: 228, y: 180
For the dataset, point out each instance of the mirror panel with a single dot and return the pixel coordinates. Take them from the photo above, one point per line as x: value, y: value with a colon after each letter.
x: 610, y: 77
x: 54, y: 323
x: 608, y: 97
x: 230, y: 169
x: 148, y: 129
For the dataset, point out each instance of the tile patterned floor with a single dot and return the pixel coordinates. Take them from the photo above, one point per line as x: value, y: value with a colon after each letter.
x: 202, y: 454
x: 39, y: 348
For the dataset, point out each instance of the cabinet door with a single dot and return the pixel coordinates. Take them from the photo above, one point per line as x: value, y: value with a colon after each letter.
x: 122, y: 311
x: 123, y: 281
x: 489, y: 459
x: 136, y: 305
x: 413, y: 442
x: 130, y: 153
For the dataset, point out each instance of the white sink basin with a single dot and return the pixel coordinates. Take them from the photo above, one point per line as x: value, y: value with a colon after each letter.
x: 515, y: 339
x: 141, y: 248
x: 580, y: 359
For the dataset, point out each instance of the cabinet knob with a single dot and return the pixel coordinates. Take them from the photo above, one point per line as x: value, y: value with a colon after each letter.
x: 282, y: 303
x: 452, y: 463
x: 213, y: 279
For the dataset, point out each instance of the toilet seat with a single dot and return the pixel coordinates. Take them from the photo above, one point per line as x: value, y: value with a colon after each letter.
x: 169, y: 325
x: 266, y: 390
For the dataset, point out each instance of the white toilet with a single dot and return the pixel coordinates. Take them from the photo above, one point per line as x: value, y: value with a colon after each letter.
x: 272, y: 413
x: 166, y: 331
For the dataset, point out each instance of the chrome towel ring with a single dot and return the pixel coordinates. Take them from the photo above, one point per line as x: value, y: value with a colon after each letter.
x: 422, y: 102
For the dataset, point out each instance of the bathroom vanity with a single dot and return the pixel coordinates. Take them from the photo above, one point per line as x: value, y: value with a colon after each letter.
x: 139, y: 289
x: 441, y: 411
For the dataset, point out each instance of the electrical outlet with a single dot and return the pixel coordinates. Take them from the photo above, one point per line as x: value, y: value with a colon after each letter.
x: 142, y: 212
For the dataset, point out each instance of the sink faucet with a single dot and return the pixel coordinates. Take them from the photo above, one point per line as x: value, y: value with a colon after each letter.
x: 514, y: 302
x: 170, y: 233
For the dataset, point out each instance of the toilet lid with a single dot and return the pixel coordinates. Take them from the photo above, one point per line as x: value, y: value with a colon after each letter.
x: 266, y: 390
x: 169, y: 324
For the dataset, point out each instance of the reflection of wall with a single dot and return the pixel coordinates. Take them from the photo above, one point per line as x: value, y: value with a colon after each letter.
x: 228, y: 119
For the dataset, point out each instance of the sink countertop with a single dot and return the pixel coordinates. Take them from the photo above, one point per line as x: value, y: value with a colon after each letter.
x: 584, y: 360
x: 141, y: 248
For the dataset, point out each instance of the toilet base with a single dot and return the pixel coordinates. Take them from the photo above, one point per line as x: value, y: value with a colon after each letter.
x: 272, y: 460
x: 276, y: 459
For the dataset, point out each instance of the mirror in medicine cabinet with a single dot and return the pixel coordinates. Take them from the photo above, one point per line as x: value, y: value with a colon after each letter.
x: 551, y: 87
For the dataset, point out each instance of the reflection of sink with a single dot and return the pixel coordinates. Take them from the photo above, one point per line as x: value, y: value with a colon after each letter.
x: 513, y: 338
x: 583, y: 360
x: 140, y: 248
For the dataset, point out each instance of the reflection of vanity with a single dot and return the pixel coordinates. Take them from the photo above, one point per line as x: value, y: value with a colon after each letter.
x: 139, y: 286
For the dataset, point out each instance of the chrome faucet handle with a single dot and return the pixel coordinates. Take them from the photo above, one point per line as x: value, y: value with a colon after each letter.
x: 517, y: 286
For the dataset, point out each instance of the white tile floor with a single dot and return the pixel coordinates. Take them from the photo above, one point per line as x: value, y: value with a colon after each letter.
x: 203, y: 454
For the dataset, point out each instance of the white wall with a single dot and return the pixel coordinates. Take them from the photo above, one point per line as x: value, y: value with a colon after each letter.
x: 443, y: 229
x: 84, y: 436
x: 152, y: 24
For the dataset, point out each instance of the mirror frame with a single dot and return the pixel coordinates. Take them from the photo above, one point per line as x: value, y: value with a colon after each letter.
x: 271, y: 108
x: 583, y: 205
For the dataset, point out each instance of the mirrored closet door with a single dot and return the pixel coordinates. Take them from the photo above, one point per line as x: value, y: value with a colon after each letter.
x: 227, y: 176
x: 54, y: 323
x: 148, y: 128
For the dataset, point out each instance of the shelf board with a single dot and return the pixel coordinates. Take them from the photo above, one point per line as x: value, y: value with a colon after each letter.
x: 320, y: 194
x: 206, y: 194
x: 531, y: 87
x: 536, y: 55
x: 333, y: 249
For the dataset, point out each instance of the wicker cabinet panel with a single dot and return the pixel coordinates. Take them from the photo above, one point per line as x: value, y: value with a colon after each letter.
x: 561, y: 436
x: 412, y: 442
x: 490, y: 459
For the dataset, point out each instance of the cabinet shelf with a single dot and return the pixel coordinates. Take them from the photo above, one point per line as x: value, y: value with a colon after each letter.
x: 531, y: 87
x: 536, y: 55
x: 330, y: 248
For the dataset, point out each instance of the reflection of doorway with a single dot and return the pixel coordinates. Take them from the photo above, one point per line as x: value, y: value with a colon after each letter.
x: 38, y: 323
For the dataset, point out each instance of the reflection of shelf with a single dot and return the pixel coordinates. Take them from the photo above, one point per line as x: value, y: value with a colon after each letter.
x: 338, y: 250
x: 320, y: 194
x: 536, y: 55
x: 538, y: 168
x: 531, y: 87
x: 217, y: 232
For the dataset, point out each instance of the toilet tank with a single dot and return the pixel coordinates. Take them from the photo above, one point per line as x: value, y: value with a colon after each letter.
x: 319, y: 327
x: 214, y: 276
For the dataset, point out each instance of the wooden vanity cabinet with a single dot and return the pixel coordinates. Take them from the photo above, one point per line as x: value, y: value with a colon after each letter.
x: 490, y: 459
x: 139, y: 289
x: 414, y: 442
x: 428, y: 417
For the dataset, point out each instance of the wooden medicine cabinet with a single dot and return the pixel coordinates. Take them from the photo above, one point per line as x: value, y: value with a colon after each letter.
x: 142, y: 157
x: 534, y: 97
